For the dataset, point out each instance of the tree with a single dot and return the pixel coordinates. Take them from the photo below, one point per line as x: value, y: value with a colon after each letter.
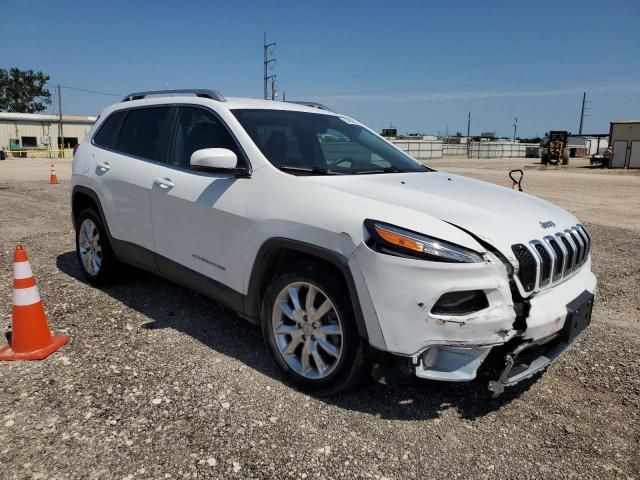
x: 23, y: 91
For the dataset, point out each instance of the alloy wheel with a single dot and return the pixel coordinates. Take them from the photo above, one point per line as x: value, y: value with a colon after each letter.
x: 90, y: 247
x: 307, y: 330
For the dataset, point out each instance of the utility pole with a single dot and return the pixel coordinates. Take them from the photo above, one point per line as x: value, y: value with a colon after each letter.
x: 584, y: 101
x: 515, y: 128
x: 468, y: 137
x: 266, y: 46
x: 274, y: 93
x: 60, y: 128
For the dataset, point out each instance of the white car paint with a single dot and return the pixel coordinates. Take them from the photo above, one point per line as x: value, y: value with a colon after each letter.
x: 188, y: 216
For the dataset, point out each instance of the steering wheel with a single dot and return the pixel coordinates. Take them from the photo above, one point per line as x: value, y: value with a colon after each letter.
x: 340, y: 160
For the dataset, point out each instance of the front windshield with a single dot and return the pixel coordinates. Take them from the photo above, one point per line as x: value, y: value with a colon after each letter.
x: 314, y: 143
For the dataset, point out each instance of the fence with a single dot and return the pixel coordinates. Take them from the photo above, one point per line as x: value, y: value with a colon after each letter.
x: 39, y: 153
x: 420, y: 149
x: 454, y: 149
x: 498, y: 149
x: 425, y: 149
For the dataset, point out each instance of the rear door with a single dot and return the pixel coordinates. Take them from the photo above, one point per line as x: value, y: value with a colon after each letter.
x: 200, y: 218
x: 129, y: 148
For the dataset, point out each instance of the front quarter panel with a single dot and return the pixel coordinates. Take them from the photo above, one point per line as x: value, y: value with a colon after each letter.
x: 403, y: 292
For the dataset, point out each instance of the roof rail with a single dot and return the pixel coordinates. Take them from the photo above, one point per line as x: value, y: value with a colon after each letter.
x: 312, y: 105
x: 212, y: 94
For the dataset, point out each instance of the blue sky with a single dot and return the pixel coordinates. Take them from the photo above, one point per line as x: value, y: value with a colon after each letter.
x: 421, y: 65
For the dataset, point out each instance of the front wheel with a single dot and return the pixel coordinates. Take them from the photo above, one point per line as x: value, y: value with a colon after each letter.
x: 308, y: 326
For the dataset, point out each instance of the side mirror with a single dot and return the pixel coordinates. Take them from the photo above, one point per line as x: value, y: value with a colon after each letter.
x: 213, y: 159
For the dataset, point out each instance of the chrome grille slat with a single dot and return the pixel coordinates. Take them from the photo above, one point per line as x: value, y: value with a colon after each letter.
x: 577, y: 240
x: 559, y: 255
x: 546, y: 262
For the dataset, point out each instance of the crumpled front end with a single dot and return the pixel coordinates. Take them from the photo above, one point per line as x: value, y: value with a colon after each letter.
x: 406, y: 311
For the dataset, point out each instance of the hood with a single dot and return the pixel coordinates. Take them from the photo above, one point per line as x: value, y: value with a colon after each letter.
x: 498, y: 215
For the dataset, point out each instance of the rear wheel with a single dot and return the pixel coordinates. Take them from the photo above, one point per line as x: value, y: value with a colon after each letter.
x: 97, y: 261
x: 565, y: 159
x: 308, y: 326
x: 545, y: 159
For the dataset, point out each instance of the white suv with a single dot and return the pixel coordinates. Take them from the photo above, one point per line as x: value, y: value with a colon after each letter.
x: 349, y: 253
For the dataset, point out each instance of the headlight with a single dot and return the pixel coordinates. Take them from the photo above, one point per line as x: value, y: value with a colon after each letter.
x: 397, y: 241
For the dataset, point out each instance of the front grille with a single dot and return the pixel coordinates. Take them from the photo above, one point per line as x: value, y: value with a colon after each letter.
x: 545, y: 271
x: 559, y: 259
x: 570, y: 253
x: 528, y: 270
x: 545, y: 262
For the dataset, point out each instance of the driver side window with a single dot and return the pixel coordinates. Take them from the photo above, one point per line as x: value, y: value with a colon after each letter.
x: 197, y: 128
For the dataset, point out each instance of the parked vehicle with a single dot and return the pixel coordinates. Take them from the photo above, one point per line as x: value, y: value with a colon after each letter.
x: 348, y: 252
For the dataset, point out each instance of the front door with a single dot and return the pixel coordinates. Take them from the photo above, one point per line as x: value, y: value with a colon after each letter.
x: 619, y: 154
x: 199, y: 218
x: 634, y: 156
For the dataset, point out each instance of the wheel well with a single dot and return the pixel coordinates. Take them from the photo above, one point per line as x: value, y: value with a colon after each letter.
x: 281, y: 253
x: 79, y: 203
x: 282, y: 259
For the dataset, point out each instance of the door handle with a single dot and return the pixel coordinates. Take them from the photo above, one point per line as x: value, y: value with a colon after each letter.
x: 164, y: 182
x: 104, y: 166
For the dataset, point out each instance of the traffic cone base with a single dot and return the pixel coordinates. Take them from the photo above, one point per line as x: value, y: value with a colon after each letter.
x: 31, y: 338
x: 6, y: 353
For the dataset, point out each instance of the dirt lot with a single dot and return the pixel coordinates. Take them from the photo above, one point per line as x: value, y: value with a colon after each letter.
x: 159, y: 382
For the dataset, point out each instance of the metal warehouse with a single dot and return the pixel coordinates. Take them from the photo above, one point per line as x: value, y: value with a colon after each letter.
x: 625, y: 138
x: 30, y: 131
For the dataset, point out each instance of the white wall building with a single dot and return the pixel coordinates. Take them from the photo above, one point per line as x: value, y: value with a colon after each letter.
x: 33, y: 131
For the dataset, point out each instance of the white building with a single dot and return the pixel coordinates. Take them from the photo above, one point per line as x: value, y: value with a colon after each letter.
x: 33, y: 131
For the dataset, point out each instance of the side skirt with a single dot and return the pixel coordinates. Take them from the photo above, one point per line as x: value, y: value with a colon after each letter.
x: 142, y: 258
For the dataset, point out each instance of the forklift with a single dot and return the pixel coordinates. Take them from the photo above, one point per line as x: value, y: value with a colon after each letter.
x: 555, y: 148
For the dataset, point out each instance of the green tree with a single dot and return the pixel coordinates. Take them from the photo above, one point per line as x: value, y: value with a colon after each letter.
x: 23, y: 91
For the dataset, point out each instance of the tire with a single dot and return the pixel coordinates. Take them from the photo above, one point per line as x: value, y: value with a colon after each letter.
x: 545, y: 159
x: 330, y: 374
x: 103, y: 267
x: 565, y: 160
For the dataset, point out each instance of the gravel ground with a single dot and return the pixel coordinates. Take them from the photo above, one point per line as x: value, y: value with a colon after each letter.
x: 159, y: 382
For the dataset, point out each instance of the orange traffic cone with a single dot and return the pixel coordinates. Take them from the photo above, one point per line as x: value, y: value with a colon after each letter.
x: 53, y: 180
x: 30, y: 335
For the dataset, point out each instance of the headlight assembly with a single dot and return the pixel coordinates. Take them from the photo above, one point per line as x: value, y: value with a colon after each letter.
x: 397, y: 241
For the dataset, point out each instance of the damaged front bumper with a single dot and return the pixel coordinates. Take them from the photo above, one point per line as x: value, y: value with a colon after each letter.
x: 397, y: 296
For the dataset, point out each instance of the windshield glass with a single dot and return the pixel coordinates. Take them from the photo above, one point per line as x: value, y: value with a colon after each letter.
x: 315, y: 144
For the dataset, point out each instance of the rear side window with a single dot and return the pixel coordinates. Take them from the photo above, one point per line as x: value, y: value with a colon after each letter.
x: 141, y: 131
x: 108, y: 133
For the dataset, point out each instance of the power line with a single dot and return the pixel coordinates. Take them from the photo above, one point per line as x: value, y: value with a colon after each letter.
x: 491, y: 85
x: 528, y: 60
x: 92, y: 91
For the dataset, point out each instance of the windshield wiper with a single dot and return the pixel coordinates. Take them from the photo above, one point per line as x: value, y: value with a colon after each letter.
x: 311, y: 170
x: 391, y: 170
x: 380, y: 170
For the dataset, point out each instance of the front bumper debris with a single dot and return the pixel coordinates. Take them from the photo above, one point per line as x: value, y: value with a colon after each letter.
x: 520, y: 366
x: 532, y: 357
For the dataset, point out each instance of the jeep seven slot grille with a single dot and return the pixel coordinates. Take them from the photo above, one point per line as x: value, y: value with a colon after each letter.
x: 543, y: 263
